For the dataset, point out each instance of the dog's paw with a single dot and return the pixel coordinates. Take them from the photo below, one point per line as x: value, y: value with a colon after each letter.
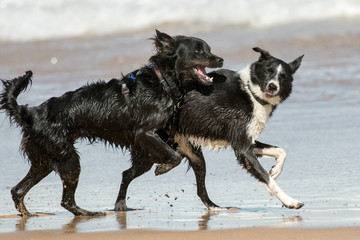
x: 166, y: 167
x: 120, y: 206
x: 163, y: 168
x: 294, y: 205
x: 85, y: 213
x: 97, y: 214
x: 29, y: 215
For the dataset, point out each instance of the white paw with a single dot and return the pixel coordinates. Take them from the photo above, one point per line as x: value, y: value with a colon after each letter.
x: 294, y: 205
x: 287, y: 201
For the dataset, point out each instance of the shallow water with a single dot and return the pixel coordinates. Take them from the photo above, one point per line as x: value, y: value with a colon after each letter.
x: 318, y: 126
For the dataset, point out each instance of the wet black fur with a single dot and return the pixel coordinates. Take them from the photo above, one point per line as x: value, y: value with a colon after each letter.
x: 223, y: 112
x: 99, y: 112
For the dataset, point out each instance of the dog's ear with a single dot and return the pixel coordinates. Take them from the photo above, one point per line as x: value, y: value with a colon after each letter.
x: 294, y: 65
x: 265, y: 55
x: 164, y: 43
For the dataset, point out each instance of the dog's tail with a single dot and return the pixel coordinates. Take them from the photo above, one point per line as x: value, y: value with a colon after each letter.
x: 8, y: 98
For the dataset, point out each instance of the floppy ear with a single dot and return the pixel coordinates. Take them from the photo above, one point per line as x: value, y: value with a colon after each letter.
x: 264, y: 54
x: 294, y: 65
x: 163, y: 42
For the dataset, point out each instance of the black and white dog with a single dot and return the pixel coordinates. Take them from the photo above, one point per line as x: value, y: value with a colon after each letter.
x: 233, y: 112
x: 123, y: 112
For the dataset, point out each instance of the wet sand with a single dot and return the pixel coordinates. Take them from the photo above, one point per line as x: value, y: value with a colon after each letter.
x: 248, y: 233
x: 317, y: 126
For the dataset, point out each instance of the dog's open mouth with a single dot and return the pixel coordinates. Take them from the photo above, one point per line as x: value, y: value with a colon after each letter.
x: 201, y: 73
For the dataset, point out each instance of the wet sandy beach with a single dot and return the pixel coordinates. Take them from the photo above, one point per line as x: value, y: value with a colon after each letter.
x: 249, y: 233
x: 318, y: 126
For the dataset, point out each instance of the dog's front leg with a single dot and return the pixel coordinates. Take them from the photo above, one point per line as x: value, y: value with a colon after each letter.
x: 279, y: 154
x: 152, y: 141
x: 252, y: 165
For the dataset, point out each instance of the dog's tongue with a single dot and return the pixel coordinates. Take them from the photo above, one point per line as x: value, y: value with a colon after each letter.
x: 201, y: 72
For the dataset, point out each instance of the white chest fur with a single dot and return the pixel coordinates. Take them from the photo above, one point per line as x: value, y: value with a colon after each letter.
x: 261, y: 115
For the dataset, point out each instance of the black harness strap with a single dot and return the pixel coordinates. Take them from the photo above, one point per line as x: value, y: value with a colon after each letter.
x: 124, y: 88
x: 169, y: 85
x: 172, y: 90
x: 125, y: 91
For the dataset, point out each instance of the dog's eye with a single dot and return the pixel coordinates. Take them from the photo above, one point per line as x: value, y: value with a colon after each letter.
x: 270, y: 70
x: 199, y: 51
x: 282, y: 76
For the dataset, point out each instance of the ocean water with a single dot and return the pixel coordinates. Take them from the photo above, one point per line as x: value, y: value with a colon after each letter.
x: 318, y: 125
x: 25, y: 20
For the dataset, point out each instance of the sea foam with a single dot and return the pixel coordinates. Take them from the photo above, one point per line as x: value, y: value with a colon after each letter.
x: 26, y: 20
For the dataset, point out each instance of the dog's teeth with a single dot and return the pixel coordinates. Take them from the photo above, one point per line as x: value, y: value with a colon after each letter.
x: 209, y: 79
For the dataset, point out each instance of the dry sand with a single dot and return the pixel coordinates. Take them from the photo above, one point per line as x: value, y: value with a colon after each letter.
x: 247, y: 233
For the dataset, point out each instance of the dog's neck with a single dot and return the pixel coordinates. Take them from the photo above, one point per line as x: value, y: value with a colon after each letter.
x: 169, y: 82
x: 262, y: 108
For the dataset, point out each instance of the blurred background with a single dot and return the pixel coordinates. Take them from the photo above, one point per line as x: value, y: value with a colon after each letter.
x: 70, y: 43
x: 24, y: 20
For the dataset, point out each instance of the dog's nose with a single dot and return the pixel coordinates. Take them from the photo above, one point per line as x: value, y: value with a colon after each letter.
x: 272, y: 87
x: 219, y: 61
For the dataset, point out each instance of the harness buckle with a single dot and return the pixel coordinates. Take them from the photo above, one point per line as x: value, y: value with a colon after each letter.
x: 124, y: 89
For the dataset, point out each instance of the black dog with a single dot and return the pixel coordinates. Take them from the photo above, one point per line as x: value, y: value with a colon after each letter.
x: 233, y: 112
x: 122, y: 112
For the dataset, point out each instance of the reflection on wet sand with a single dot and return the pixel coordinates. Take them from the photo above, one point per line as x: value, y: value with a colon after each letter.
x: 71, y: 226
x: 137, y: 219
x: 21, y: 224
x: 121, y: 218
x: 204, y: 219
x: 292, y: 219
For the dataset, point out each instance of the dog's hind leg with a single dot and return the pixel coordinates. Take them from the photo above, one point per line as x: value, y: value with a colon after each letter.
x: 140, y: 165
x: 36, y: 173
x: 152, y: 141
x: 197, y: 163
x: 252, y: 165
x: 263, y: 149
x: 69, y: 171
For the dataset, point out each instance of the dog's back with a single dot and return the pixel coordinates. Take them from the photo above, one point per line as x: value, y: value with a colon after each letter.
x: 224, y: 109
